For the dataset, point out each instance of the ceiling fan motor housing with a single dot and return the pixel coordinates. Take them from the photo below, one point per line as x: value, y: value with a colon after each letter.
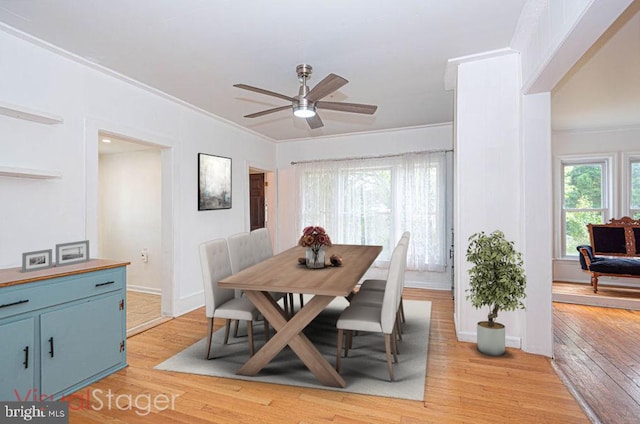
x: 303, y: 71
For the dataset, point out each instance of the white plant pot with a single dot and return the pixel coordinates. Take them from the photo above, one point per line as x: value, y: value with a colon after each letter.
x: 491, y: 340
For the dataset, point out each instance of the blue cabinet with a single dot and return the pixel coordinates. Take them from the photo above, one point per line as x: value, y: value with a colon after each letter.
x: 60, y: 333
x: 16, y: 359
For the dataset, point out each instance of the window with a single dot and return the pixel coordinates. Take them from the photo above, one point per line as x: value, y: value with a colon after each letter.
x: 584, y: 201
x: 634, y: 177
x: 373, y: 201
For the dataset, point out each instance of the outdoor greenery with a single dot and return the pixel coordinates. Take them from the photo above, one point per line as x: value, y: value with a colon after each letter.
x: 583, y: 202
x: 497, y: 278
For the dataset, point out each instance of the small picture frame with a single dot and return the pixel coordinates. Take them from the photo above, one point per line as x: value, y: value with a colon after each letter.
x: 39, y: 259
x: 71, y: 253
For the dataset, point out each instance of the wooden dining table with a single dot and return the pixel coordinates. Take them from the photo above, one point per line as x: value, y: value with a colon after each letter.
x: 283, y: 273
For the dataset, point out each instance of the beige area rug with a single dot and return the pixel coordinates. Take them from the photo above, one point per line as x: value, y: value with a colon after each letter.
x: 365, y: 370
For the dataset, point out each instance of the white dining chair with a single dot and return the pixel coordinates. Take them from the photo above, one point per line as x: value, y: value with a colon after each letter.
x: 262, y: 249
x: 375, y: 287
x: 380, y: 318
x: 240, y: 252
x: 243, y: 255
x: 261, y: 243
x: 222, y: 303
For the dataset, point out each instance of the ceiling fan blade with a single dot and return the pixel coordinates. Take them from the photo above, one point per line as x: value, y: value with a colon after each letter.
x: 268, y: 111
x: 347, y: 107
x: 262, y: 91
x: 315, y: 122
x: 328, y: 85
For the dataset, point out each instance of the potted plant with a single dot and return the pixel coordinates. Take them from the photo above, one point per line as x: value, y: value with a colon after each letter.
x: 497, y: 280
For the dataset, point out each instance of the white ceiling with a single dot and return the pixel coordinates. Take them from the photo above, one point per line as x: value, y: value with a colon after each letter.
x: 393, y: 53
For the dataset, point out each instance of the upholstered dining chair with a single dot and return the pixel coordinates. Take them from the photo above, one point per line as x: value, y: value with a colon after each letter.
x: 380, y: 318
x: 222, y: 303
x: 243, y: 255
x: 261, y: 244
x: 375, y: 287
x: 240, y: 252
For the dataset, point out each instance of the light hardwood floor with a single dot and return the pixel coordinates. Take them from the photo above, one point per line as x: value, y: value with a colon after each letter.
x: 597, y: 349
x: 143, y: 312
x: 462, y: 386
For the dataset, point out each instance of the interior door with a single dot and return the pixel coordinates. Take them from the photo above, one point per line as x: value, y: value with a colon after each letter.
x: 256, y: 200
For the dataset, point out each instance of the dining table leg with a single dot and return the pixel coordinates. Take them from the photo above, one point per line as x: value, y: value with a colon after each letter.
x: 289, y: 332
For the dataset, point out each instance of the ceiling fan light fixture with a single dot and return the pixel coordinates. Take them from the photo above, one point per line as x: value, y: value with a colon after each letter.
x: 304, y: 105
x: 304, y: 111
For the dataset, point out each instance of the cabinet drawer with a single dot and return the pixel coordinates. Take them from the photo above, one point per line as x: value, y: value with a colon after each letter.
x: 29, y: 297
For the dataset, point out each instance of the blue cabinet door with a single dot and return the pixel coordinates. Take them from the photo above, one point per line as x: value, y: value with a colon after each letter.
x: 80, y: 341
x: 17, y: 360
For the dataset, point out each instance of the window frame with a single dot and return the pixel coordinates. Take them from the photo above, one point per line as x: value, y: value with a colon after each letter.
x: 608, y: 195
x: 627, y: 160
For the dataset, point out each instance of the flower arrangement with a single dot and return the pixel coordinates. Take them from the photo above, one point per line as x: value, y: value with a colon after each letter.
x: 314, y: 238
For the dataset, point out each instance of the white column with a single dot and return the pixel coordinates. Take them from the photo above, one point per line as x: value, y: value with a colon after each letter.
x: 538, y: 223
x: 488, y: 174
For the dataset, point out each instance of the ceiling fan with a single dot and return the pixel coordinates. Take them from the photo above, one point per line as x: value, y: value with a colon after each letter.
x: 307, y: 101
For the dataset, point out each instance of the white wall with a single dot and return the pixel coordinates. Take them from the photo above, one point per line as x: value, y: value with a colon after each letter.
x: 129, y: 217
x: 37, y: 214
x: 616, y: 142
x: 489, y: 179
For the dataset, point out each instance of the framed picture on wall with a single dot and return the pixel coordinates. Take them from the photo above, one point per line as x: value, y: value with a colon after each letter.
x: 32, y: 261
x: 71, y: 253
x: 214, y: 182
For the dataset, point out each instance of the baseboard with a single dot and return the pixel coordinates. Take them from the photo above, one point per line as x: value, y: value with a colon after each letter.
x: 429, y: 285
x: 625, y: 282
x: 188, y: 303
x: 143, y: 289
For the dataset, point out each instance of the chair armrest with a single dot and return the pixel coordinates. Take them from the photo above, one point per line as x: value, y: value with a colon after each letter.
x: 586, y: 256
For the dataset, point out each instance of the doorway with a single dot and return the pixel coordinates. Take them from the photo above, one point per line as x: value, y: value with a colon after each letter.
x: 257, y: 211
x: 262, y: 200
x: 130, y: 222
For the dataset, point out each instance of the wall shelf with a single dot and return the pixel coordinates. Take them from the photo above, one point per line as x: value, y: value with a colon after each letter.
x: 6, y: 171
x: 20, y: 112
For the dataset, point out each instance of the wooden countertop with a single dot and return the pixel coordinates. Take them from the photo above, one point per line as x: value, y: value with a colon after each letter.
x: 13, y: 276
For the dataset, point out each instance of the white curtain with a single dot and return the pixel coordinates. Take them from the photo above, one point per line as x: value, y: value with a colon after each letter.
x: 373, y: 201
